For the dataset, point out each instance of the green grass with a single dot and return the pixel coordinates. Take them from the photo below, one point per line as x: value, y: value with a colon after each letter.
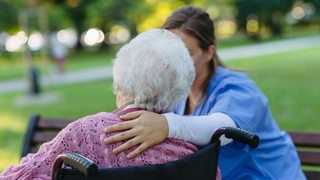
x: 72, y: 102
x: 290, y: 81
x: 15, y: 67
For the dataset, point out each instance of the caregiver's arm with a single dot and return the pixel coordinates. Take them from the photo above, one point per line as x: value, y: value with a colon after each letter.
x: 146, y: 129
x: 198, y: 129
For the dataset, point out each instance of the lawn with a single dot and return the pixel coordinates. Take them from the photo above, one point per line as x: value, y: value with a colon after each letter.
x: 15, y: 67
x: 72, y: 102
x: 290, y: 81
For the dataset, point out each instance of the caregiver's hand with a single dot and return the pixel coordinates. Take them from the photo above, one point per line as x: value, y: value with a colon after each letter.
x: 143, y: 129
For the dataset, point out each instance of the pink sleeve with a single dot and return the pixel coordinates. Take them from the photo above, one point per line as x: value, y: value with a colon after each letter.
x: 39, y: 165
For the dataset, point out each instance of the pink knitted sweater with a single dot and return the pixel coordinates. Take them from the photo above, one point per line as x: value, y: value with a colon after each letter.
x: 85, y: 136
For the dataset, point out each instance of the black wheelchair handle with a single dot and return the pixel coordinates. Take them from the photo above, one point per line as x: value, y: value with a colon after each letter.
x: 237, y: 134
x: 75, y: 161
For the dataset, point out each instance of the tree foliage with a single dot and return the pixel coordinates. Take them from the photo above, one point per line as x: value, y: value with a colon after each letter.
x: 139, y: 15
x: 8, y: 15
x: 270, y: 13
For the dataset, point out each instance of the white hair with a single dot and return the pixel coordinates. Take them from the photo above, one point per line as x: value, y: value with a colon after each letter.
x: 154, y: 71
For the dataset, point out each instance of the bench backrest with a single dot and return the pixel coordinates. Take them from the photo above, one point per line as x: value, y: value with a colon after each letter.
x: 41, y: 130
x: 308, y: 146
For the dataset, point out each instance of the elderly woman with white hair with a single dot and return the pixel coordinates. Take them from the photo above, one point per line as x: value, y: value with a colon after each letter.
x: 152, y: 72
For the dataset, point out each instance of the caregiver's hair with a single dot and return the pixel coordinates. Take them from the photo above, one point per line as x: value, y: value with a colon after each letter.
x: 154, y: 71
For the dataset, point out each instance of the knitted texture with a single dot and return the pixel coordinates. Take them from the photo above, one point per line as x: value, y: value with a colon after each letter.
x: 85, y: 136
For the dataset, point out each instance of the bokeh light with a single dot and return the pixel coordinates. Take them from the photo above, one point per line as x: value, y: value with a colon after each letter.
x: 118, y: 34
x: 225, y: 28
x: 92, y: 37
x: 297, y: 12
x: 68, y: 37
x: 213, y: 11
x: 252, y: 25
x: 15, y: 42
x: 36, y: 41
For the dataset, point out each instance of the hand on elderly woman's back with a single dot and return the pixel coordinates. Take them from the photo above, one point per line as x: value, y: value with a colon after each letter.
x: 144, y: 129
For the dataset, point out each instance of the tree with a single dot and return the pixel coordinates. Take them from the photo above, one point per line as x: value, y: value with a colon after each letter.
x: 269, y: 13
x: 77, y: 14
x: 8, y: 16
x: 103, y: 14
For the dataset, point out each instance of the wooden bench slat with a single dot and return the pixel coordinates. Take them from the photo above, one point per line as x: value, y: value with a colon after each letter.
x: 308, y: 147
x: 44, y: 136
x: 41, y: 130
x: 54, y: 124
x: 305, y: 139
x: 312, y: 175
x: 309, y: 157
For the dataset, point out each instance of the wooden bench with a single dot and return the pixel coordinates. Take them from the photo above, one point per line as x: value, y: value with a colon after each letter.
x: 308, y: 146
x: 42, y: 129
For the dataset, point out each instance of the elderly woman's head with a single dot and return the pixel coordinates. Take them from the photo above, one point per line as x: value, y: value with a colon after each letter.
x: 153, y: 71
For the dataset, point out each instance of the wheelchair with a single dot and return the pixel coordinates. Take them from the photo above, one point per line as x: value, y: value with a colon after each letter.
x: 200, y: 165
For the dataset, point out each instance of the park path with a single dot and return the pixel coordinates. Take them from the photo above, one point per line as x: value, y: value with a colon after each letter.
x: 105, y: 72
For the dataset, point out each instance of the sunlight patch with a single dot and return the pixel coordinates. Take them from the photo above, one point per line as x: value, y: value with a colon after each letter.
x: 42, y: 99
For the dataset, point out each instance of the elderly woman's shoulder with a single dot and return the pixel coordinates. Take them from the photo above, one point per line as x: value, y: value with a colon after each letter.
x: 101, y: 120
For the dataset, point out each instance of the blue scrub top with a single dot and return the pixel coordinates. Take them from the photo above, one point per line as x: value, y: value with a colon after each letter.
x: 236, y: 95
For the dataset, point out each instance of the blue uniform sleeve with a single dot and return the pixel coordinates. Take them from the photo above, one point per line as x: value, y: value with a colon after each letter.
x: 242, y: 101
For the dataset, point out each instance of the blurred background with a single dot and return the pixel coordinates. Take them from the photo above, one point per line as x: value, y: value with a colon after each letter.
x: 280, y: 41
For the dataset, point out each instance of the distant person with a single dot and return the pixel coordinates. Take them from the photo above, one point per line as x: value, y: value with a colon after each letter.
x: 58, y: 52
x: 152, y: 72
